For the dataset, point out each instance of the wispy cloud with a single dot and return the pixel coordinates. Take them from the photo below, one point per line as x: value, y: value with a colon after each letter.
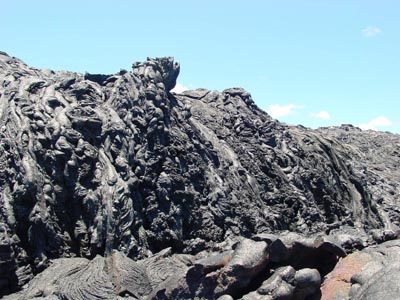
x: 371, y: 31
x: 323, y: 114
x: 278, y: 111
x: 376, y: 123
x: 179, y: 88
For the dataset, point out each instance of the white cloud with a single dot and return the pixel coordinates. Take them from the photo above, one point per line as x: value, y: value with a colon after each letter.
x: 376, y: 123
x: 179, y: 88
x: 371, y: 31
x: 323, y: 114
x: 277, y: 110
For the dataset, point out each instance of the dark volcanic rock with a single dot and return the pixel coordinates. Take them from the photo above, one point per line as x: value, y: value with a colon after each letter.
x: 373, y: 273
x: 375, y: 158
x: 174, y: 276
x: 102, y: 277
x: 91, y: 164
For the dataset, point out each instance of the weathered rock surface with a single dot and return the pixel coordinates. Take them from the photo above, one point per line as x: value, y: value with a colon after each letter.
x: 228, y: 273
x: 375, y: 158
x: 373, y: 273
x: 100, y: 172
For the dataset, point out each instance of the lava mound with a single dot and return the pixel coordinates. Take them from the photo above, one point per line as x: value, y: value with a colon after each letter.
x: 114, y: 186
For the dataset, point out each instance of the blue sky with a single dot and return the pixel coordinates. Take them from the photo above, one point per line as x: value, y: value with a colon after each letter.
x: 310, y: 62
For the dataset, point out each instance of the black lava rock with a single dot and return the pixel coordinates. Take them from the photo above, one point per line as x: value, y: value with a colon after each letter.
x: 92, y: 165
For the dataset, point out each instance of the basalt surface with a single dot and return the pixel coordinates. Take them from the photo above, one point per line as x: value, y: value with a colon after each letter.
x: 375, y: 157
x: 116, y: 182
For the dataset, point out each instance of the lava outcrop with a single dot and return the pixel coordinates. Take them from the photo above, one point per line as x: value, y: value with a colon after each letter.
x: 112, y: 186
